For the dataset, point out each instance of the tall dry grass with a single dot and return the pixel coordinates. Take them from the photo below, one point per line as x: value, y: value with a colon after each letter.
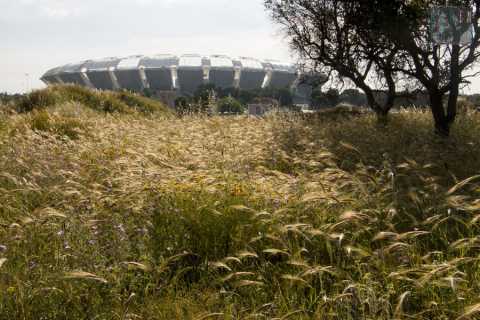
x: 237, y: 218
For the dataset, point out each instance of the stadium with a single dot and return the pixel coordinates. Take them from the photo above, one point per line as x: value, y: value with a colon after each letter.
x: 181, y: 74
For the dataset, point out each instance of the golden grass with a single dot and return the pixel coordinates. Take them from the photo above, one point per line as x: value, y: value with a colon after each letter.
x: 123, y: 217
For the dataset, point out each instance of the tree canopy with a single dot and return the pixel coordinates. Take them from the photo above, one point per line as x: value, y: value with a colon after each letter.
x: 381, y: 44
x: 439, y: 68
x: 328, y: 38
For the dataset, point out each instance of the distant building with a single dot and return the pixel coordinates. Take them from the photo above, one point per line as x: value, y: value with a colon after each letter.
x: 163, y: 74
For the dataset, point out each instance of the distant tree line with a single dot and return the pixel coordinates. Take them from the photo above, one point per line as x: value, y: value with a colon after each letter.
x: 6, y: 98
x: 333, y: 97
x: 229, y: 100
x: 354, y: 97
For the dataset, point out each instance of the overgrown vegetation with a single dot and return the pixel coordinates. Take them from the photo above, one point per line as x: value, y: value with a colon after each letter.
x: 208, y: 97
x: 233, y: 218
x: 105, y: 101
x: 230, y: 105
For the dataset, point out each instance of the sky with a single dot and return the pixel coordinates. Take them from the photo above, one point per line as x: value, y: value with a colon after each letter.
x: 36, y: 35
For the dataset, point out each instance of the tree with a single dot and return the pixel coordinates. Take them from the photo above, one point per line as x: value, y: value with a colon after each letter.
x: 229, y: 105
x: 147, y: 92
x: 318, y: 98
x: 284, y: 97
x: 327, y: 36
x: 330, y: 98
x: 228, y: 92
x: 246, y: 96
x: 440, y: 69
x: 333, y: 97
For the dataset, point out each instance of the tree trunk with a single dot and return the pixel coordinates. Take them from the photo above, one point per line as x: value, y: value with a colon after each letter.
x: 455, y: 79
x: 381, y: 113
x: 442, y: 125
x: 382, y: 117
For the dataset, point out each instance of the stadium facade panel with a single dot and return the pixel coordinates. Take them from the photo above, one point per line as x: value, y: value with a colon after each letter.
x: 72, y: 73
x: 190, y: 73
x: 221, y: 72
x: 158, y: 71
x: 128, y: 73
x: 100, y: 73
x: 183, y: 74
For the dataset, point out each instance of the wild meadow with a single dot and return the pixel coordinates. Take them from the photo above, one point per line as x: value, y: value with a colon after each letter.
x: 117, y: 213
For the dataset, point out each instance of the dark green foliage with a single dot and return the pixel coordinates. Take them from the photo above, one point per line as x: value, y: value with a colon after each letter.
x: 147, y: 92
x: 246, y: 96
x: 200, y: 101
x: 204, y: 92
x: 99, y: 101
x: 229, y: 105
x: 182, y: 106
x: 284, y: 97
x: 325, y: 99
x: 6, y: 98
x: 141, y: 104
x: 38, y: 99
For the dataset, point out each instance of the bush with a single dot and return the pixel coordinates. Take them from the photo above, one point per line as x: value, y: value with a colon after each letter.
x: 141, y: 104
x: 230, y: 105
x: 37, y: 99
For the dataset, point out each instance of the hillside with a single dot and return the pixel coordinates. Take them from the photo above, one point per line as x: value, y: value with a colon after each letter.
x: 126, y: 216
x: 122, y: 102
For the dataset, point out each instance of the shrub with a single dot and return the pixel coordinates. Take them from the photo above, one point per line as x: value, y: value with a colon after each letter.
x: 230, y: 105
x: 143, y: 105
x: 37, y: 99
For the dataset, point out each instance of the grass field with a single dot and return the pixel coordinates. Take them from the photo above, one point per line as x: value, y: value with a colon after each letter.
x: 128, y: 215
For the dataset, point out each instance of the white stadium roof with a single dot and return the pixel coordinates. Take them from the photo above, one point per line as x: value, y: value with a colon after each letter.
x: 171, y: 72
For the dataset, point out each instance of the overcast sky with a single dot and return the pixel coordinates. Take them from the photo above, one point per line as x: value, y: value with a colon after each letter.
x: 36, y: 35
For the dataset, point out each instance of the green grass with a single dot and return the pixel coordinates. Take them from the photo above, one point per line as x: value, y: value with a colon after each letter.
x: 289, y: 217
